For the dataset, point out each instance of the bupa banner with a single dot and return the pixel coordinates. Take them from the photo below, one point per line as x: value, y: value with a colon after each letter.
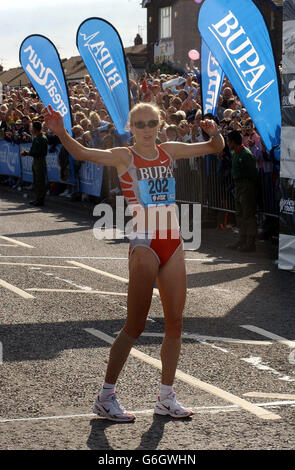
x: 102, y: 51
x: 236, y: 34
x: 212, y: 77
x: 9, y: 159
x: 41, y: 62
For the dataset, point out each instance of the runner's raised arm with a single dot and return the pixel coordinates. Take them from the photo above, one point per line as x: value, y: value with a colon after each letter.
x: 179, y: 150
x: 110, y: 157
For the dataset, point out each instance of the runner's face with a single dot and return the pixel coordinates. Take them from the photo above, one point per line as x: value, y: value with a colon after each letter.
x: 147, y: 135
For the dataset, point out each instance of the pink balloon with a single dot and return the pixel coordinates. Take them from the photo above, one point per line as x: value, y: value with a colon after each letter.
x: 198, y: 1
x: 193, y: 54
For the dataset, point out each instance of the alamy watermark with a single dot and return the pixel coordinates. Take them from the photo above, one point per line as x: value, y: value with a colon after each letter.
x: 166, y: 220
x: 291, y: 357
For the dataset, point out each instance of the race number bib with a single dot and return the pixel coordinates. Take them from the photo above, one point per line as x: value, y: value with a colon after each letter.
x: 156, y: 186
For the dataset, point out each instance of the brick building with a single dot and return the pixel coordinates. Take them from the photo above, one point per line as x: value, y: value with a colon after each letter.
x: 172, y: 28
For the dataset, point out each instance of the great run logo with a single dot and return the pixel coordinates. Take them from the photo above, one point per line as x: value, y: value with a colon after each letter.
x: 287, y: 206
x: 214, y: 83
x: 9, y: 157
x: 45, y: 77
x: 242, y: 55
x: 103, y: 60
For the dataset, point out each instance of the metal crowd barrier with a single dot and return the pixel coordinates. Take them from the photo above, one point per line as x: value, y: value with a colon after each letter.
x: 203, y: 180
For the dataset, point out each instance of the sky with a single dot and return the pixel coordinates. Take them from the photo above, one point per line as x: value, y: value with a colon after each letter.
x: 59, y: 20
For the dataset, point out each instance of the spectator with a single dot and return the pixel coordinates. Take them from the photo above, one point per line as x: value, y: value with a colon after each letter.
x: 171, y: 133
x: 244, y: 174
x: 38, y: 151
x: 227, y: 94
x: 184, y: 132
x: 78, y: 131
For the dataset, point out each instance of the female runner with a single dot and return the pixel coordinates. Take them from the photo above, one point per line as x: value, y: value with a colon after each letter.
x: 156, y: 252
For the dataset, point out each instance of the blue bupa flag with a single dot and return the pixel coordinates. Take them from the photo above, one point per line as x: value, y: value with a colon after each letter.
x: 212, y: 77
x: 101, y: 49
x: 41, y: 62
x: 237, y: 35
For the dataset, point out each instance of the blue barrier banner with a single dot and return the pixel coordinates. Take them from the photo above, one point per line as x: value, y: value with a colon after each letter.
x: 41, y: 62
x: 26, y: 163
x: 9, y: 159
x: 90, y: 178
x: 102, y: 51
x: 53, y: 169
x: 212, y: 77
x: 236, y: 34
x: 12, y: 164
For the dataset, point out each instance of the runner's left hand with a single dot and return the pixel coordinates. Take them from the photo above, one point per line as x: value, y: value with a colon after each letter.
x: 209, y: 126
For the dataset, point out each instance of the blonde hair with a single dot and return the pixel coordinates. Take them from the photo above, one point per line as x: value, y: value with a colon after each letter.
x: 143, y: 107
x: 77, y: 130
x: 94, y: 115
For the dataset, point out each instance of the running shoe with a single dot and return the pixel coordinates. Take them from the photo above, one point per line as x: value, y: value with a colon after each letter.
x: 170, y: 406
x: 111, y: 409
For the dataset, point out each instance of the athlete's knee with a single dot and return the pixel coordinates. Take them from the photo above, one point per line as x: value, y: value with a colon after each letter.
x: 134, y: 330
x: 173, y: 327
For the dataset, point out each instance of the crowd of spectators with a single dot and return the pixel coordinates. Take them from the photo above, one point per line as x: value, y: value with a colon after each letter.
x: 181, y: 111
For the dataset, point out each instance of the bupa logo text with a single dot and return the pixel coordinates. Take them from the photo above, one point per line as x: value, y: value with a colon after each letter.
x: 46, y: 78
x: 103, y: 60
x: 242, y: 55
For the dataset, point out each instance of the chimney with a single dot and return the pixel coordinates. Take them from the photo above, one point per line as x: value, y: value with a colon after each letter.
x: 138, y: 40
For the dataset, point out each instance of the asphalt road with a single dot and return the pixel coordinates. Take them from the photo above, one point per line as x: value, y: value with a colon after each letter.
x: 62, y: 290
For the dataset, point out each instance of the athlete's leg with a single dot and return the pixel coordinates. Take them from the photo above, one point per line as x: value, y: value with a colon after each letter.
x: 143, y: 270
x: 172, y: 286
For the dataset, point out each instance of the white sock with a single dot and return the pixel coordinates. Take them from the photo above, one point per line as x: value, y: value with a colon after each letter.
x: 165, y: 390
x: 106, y: 390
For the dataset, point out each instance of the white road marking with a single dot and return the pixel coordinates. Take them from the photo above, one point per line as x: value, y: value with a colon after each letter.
x: 208, y: 260
x: 16, y: 242
x: 104, y: 273
x: 184, y: 335
x: 63, y: 257
x: 213, y: 338
x: 103, y: 258
x: 257, y: 362
x: 197, y: 410
x: 14, y: 246
x: 257, y: 411
x: 15, y: 289
x: 221, y: 290
x: 98, y: 271
x: 279, y: 396
x: 268, y: 334
x: 76, y: 291
x: 40, y: 265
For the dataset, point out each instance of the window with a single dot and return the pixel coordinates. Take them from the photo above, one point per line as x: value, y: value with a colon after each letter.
x: 165, y: 22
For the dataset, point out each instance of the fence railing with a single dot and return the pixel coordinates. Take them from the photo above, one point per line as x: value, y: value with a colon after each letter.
x: 204, y: 180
